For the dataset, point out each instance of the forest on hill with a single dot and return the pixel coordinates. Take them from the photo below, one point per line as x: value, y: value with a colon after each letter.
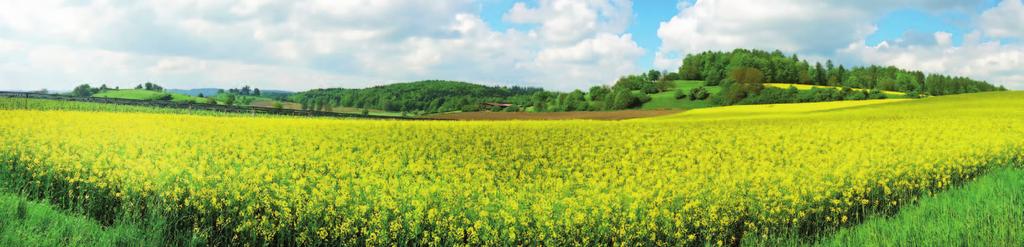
x: 736, y: 77
x: 428, y: 96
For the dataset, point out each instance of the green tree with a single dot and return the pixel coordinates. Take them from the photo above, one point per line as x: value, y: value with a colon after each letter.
x: 83, y: 90
x: 230, y: 100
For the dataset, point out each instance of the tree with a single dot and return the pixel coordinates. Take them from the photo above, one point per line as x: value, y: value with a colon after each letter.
x: 746, y: 75
x: 256, y: 91
x: 599, y: 92
x: 83, y: 90
x: 664, y: 85
x: 819, y: 74
x: 691, y: 68
x: 699, y: 93
x: 200, y: 95
x: 230, y: 100
x: 653, y: 75
x: 623, y: 99
x: 742, y: 82
x: 139, y: 87
x: 672, y: 76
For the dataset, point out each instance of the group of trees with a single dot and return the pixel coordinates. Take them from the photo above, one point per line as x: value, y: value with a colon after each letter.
x: 630, y: 91
x: 715, y: 67
x: 244, y: 91
x: 651, y: 82
x: 150, y: 87
x: 416, y: 97
x: 741, y: 73
x: 86, y: 90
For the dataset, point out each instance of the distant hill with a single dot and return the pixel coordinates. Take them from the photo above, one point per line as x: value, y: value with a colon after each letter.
x: 196, y: 91
x: 427, y: 96
x: 139, y: 94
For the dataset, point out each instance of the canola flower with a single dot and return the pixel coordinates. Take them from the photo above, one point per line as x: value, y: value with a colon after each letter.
x: 668, y: 181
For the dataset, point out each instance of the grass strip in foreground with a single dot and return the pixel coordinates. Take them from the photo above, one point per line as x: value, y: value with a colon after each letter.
x: 25, y: 223
x: 986, y: 212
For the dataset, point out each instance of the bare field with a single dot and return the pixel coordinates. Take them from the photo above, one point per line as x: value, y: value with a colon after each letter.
x: 598, y: 115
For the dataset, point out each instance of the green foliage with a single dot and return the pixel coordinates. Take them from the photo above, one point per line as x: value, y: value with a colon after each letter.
x: 777, y: 68
x: 985, y: 212
x: 679, y: 94
x: 699, y: 93
x: 26, y: 223
x: 230, y: 100
x: 83, y: 90
x: 427, y: 96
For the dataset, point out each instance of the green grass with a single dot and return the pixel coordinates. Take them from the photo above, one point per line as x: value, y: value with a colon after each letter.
x: 26, y: 223
x: 667, y: 100
x: 986, y: 212
x: 139, y: 94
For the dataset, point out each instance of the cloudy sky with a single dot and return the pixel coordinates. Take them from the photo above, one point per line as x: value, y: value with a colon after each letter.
x: 556, y: 44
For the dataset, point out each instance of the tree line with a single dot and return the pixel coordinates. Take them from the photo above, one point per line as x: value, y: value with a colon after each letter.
x: 717, y: 68
x: 86, y: 90
x: 416, y: 97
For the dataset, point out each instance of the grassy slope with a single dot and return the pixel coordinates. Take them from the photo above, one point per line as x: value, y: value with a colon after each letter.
x: 146, y: 95
x: 667, y: 100
x: 25, y: 223
x: 986, y: 212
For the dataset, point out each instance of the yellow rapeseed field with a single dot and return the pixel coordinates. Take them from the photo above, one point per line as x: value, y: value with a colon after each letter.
x: 674, y: 181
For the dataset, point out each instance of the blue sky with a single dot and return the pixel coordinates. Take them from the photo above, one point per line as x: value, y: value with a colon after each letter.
x: 556, y: 44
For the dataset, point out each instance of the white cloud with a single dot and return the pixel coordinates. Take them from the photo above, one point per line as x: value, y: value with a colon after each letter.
x: 805, y: 27
x: 569, y: 21
x: 1006, y: 20
x: 313, y: 43
x: 992, y: 61
x: 838, y: 29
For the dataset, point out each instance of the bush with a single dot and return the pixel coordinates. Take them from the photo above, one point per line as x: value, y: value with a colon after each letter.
x: 771, y: 96
x: 699, y: 93
x: 679, y: 94
x: 642, y: 98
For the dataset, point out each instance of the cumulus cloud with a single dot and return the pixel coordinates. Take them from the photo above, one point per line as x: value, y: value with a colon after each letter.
x: 806, y: 27
x: 991, y: 60
x: 1006, y: 20
x: 838, y: 29
x: 312, y: 43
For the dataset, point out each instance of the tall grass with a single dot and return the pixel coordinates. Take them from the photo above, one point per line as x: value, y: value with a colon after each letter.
x: 986, y: 212
x: 25, y: 223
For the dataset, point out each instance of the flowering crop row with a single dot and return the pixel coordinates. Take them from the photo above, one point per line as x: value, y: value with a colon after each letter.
x: 656, y: 182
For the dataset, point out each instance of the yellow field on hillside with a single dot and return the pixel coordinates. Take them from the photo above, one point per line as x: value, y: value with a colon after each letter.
x: 769, y: 110
x: 275, y: 181
x: 809, y: 87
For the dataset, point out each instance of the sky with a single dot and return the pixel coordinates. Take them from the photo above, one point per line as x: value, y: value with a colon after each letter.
x: 556, y: 44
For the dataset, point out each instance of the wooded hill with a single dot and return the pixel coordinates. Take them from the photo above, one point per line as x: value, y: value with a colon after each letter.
x: 425, y: 96
x: 739, y: 74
